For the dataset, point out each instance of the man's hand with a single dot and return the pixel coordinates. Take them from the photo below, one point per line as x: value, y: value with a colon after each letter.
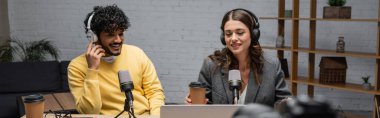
x: 93, y: 55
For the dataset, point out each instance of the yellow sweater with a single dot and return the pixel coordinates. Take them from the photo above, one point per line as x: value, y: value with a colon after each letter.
x: 98, y: 91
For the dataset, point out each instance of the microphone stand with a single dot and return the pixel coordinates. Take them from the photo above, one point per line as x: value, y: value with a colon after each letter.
x: 236, y: 96
x: 128, y: 107
x: 128, y: 103
x: 235, y: 86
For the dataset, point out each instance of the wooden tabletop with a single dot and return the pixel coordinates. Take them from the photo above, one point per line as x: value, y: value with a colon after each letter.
x: 95, y: 116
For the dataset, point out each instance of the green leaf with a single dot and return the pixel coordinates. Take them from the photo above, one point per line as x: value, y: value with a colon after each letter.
x: 28, y: 51
x: 336, y: 2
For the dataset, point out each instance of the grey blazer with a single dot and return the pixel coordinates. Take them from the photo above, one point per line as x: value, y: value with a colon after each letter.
x: 272, y: 89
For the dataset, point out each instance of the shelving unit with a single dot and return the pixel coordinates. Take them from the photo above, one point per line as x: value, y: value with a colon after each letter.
x: 310, y: 80
x: 326, y: 52
x: 345, y: 86
x: 320, y: 19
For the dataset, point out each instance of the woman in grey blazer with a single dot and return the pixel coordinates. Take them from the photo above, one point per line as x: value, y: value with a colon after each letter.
x: 262, y: 80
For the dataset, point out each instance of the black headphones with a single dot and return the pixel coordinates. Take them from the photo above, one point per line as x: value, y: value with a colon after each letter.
x: 255, y: 31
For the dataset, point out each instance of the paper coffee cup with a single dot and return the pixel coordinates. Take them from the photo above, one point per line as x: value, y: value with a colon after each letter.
x: 197, y: 92
x: 34, y: 106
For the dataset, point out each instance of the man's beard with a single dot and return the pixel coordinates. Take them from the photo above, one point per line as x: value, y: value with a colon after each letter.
x: 108, y: 51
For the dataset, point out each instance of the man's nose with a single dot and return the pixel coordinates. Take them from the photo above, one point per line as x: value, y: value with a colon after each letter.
x: 118, y: 39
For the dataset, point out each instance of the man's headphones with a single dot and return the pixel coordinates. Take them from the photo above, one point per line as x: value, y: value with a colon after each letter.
x: 255, y: 31
x: 90, y: 34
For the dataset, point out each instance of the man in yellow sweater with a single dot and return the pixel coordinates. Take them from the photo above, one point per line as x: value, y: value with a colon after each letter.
x: 93, y: 76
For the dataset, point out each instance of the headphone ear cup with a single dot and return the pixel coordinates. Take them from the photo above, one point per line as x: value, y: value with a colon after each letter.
x: 222, y: 39
x: 255, y: 36
x: 92, y: 35
x: 95, y: 38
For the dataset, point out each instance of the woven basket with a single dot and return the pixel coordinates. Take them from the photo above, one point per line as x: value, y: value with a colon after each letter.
x: 332, y: 70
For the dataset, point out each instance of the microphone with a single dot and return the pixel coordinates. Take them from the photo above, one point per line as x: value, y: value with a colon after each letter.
x: 234, y: 81
x: 126, y: 85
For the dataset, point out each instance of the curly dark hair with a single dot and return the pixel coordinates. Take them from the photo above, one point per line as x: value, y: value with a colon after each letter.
x: 109, y: 19
x: 225, y: 57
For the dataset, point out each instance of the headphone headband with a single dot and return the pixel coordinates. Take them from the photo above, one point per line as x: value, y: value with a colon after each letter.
x: 253, y: 16
x: 254, y: 30
x: 89, y: 21
x: 90, y: 34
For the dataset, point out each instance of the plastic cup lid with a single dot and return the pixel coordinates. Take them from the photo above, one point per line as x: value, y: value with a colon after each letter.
x: 197, y: 84
x: 33, y: 98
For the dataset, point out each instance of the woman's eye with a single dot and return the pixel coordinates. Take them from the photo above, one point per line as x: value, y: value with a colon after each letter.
x: 240, y: 33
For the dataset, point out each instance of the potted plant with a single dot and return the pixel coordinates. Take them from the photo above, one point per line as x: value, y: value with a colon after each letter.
x: 366, y: 85
x: 35, y: 51
x: 337, y: 9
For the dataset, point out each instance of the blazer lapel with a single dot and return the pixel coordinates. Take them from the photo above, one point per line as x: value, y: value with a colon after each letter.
x: 252, y: 89
x: 226, y: 86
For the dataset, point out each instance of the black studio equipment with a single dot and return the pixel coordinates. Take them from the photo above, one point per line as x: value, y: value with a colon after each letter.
x: 126, y: 85
x: 234, y: 81
x: 306, y: 107
x: 255, y: 110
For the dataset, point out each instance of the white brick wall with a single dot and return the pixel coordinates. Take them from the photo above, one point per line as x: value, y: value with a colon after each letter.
x: 178, y: 34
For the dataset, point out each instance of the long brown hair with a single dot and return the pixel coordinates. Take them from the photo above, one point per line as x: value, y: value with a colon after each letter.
x: 226, y: 59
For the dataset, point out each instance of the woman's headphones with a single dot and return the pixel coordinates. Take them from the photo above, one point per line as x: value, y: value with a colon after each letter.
x: 90, y: 34
x: 255, y: 31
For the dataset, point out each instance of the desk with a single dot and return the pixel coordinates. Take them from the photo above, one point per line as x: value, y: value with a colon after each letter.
x: 66, y: 100
x: 124, y: 116
x: 56, y: 102
x: 95, y: 116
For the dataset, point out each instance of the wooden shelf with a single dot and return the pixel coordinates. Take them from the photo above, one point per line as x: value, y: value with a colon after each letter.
x: 332, y: 19
x: 345, y: 86
x: 286, y: 48
x: 320, y: 19
x: 327, y: 52
x: 275, y: 18
x: 333, y: 52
